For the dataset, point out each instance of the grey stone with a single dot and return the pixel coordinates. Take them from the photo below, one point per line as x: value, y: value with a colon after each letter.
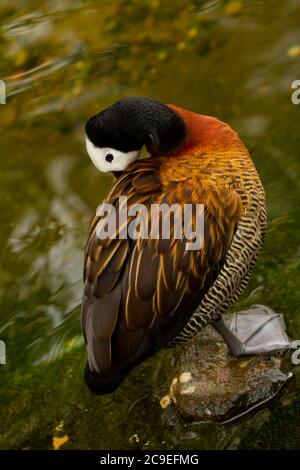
x: 212, y: 385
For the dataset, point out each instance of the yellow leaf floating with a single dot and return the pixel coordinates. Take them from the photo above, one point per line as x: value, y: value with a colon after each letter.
x: 233, y: 8
x: 162, y: 55
x: 192, y: 33
x: 181, y: 46
x: 57, y: 442
x: 294, y: 51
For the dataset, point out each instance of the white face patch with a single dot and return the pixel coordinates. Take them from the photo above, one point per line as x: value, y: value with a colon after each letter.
x: 109, y: 159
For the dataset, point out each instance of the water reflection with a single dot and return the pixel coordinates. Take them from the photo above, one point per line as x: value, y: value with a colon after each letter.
x: 62, y: 62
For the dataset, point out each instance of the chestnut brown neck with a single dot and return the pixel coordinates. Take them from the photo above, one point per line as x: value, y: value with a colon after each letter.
x: 204, y: 133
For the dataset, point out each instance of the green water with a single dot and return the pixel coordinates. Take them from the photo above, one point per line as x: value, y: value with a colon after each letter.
x: 62, y: 62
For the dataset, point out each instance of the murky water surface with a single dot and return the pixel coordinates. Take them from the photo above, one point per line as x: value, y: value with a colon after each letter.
x: 62, y: 61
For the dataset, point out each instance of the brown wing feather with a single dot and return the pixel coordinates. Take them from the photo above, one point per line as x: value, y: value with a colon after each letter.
x: 140, y: 293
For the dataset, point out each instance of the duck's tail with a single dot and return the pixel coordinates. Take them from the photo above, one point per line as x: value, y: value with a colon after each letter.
x: 101, y: 385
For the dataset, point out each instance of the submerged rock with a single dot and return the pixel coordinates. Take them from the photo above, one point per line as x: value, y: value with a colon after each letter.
x: 212, y: 385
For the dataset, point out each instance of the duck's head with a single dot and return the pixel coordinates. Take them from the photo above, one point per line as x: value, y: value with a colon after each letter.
x: 116, y: 135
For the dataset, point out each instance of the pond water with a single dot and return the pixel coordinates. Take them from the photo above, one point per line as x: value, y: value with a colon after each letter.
x: 63, y: 61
